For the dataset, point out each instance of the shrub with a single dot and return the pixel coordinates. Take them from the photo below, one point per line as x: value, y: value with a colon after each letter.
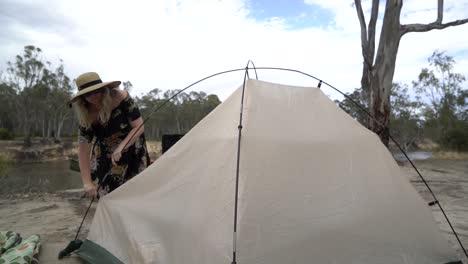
x: 456, y: 139
x: 6, y: 134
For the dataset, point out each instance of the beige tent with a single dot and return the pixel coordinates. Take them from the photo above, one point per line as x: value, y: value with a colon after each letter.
x: 314, y: 187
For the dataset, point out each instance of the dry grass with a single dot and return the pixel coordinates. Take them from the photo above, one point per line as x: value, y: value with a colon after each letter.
x: 441, y: 154
x: 154, y: 148
x: 450, y: 155
x: 428, y: 145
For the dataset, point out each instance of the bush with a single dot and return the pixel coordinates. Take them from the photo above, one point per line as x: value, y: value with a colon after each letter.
x: 456, y: 139
x: 6, y: 134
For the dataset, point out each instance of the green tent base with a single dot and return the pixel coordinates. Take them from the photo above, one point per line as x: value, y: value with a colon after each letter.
x: 94, y: 253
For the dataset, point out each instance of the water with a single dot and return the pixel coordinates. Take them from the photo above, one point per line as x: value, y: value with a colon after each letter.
x: 416, y: 155
x: 39, y: 177
x: 56, y: 175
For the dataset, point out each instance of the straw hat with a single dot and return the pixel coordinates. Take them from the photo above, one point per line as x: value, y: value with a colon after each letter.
x: 90, y: 81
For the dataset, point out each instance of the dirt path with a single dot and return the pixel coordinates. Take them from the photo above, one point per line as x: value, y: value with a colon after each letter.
x: 57, y: 216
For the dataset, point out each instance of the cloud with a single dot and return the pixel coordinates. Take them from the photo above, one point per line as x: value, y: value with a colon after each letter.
x: 24, y: 20
x: 33, y: 15
x: 414, y: 48
x: 170, y: 44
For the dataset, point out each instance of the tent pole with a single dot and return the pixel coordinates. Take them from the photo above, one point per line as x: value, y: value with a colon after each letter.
x: 236, y: 194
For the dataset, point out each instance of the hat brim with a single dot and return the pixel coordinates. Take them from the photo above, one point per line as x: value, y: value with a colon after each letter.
x: 94, y: 87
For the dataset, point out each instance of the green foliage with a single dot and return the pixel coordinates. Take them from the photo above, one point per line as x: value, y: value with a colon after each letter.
x: 34, y: 96
x: 444, y: 100
x: 4, y: 163
x: 6, y: 134
x: 354, y: 104
x: 437, y: 111
x: 176, y: 116
x: 456, y: 138
x: 405, y: 122
x: 127, y: 86
x: 7, y: 100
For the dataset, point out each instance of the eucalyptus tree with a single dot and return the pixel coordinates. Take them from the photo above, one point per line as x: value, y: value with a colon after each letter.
x: 23, y: 75
x: 406, y: 124
x: 7, y: 107
x: 379, y: 65
x: 39, y: 94
x: 443, y: 96
x: 60, y: 92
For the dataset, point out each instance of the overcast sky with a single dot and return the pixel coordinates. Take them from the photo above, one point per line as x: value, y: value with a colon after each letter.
x: 171, y: 44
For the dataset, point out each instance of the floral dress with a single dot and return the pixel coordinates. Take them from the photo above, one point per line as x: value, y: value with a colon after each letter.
x: 107, y: 138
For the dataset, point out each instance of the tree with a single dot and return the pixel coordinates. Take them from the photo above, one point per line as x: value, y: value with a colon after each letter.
x: 60, y: 92
x: 405, y: 124
x: 445, y: 106
x: 178, y: 115
x: 379, y: 67
x: 34, y: 96
x: 7, y: 113
x: 348, y: 104
x: 128, y: 86
x: 148, y: 104
x: 24, y: 74
x: 38, y: 93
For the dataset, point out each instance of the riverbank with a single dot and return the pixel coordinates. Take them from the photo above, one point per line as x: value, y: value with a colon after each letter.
x: 39, y: 151
x: 45, y: 151
x: 56, y: 216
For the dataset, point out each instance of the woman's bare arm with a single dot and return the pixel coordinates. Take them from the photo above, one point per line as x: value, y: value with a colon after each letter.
x: 83, y: 156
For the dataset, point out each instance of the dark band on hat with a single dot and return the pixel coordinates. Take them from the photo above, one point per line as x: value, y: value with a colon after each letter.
x: 86, y: 85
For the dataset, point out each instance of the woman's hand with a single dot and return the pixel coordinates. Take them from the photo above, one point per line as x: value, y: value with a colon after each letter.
x: 90, y: 189
x: 116, y: 155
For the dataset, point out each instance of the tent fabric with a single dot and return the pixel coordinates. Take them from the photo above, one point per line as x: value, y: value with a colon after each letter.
x: 314, y: 187
x: 94, y: 253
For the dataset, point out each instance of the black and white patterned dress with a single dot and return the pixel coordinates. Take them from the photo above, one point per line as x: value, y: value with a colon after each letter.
x: 106, y: 139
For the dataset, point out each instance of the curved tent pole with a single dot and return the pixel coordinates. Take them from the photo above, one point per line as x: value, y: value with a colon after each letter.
x: 247, y: 69
x: 155, y: 109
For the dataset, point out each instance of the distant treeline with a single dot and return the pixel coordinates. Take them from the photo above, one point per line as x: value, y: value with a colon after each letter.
x: 34, y: 96
x: 434, y: 106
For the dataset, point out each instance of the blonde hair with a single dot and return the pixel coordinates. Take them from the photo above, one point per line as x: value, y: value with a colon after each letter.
x: 82, y: 109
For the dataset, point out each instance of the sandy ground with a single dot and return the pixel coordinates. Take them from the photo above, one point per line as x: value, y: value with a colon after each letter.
x: 448, y: 179
x: 57, y: 216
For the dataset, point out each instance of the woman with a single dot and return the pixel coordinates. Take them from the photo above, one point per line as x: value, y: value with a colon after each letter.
x: 112, y: 146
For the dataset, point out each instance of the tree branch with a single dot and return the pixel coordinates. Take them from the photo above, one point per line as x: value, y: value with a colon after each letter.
x: 428, y: 27
x: 440, y: 11
x: 362, y: 22
x: 434, y: 25
x: 371, y: 34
